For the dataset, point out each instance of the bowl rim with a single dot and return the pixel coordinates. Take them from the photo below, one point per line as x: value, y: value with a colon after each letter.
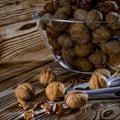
x: 38, y: 18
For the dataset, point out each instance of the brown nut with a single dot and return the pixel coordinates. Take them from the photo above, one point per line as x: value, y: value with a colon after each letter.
x: 47, y: 76
x: 115, y: 17
x: 97, y: 81
x: 98, y: 58
x: 103, y: 71
x: 23, y: 93
x: 80, y: 14
x: 111, y: 48
x: 85, y: 4
x: 108, y: 6
x: 92, y: 17
x: 68, y: 56
x: 65, y: 41
x: 83, y: 50
x: 66, y: 10
x: 79, y: 33
x: 76, y: 99
x: 44, y: 23
x: 84, y: 64
x: 55, y: 91
x: 49, y: 8
x: 102, y: 33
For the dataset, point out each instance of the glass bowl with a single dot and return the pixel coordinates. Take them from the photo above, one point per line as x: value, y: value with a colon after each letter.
x: 82, y: 46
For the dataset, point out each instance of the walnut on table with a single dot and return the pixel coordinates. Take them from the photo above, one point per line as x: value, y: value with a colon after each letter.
x: 24, y: 92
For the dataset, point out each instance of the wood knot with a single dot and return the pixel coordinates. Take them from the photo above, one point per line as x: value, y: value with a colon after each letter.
x: 27, y: 26
x: 108, y: 113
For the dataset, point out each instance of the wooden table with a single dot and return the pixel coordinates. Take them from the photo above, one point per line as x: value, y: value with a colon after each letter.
x: 22, y: 56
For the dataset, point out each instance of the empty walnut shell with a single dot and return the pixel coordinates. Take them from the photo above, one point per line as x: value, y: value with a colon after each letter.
x: 92, y: 17
x: 97, y: 81
x: 24, y: 91
x: 47, y: 76
x: 115, y: 17
x: 76, y: 99
x: 55, y: 91
x: 79, y: 33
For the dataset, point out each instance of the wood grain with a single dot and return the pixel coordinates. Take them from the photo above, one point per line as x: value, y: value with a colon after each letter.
x: 23, y: 53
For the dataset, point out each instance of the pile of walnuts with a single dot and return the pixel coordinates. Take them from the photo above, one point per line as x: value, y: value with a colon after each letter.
x: 90, y: 38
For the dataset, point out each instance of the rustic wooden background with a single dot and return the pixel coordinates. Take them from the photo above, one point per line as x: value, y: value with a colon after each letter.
x: 23, y: 54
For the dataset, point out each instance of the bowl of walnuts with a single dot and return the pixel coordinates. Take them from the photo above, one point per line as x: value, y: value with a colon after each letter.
x: 83, y: 35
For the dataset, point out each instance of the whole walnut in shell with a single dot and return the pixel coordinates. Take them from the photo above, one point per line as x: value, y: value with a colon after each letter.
x: 85, y: 4
x: 44, y: 23
x: 115, y: 17
x: 24, y: 92
x: 108, y: 6
x: 47, y: 76
x: 83, y: 50
x: 79, y: 33
x: 80, y: 14
x: 84, y: 64
x: 98, y: 58
x: 111, y: 48
x: 58, y: 25
x: 55, y: 91
x: 65, y: 41
x: 68, y: 56
x: 97, y: 81
x: 76, y: 99
x: 101, y: 34
x: 66, y: 10
x: 92, y: 19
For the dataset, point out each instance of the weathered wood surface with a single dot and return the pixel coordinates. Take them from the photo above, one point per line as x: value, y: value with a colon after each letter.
x: 22, y: 56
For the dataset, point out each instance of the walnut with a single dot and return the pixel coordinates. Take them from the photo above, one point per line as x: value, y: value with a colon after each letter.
x: 97, y: 81
x: 93, y: 19
x: 43, y: 22
x: 59, y: 26
x: 98, y: 58
x: 86, y: 4
x: 83, y: 50
x: 111, y: 48
x: 108, y: 6
x: 76, y: 99
x: 103, y: 71
x: 28, y: 115
x: 53, y: 42
x: 68, y: 56
x: 113, y: 20
x: 114, y: 62
x: 23, y: 93
x: 55, y: 91
x: 80, y: 14
x: 101, y: 34
x: 49, y: 8
x: 47, y: 76
x: 66, y: 10
x: 79, y: 33
x: 65, y: 41
x: 64, y: 2
x: 84, y: 64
